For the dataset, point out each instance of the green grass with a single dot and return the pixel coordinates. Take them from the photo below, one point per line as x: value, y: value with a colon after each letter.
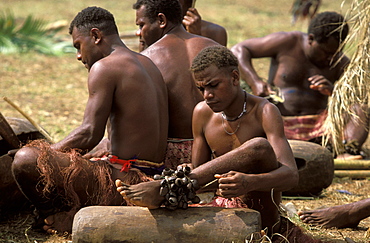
x: 52, y: 89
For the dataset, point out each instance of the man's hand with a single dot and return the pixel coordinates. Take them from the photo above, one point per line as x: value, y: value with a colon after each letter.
x: 96, y: 154
x: 192, y: 21
x: 103, y: 148
x: 321, y: 84
x: 234, y: 184
x: 261, y: 88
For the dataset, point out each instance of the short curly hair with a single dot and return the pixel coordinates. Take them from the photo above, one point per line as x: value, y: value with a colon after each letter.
x: 328, y: 24
x: 94, y: 17
x: 218, y: 55
x: 170, y: 8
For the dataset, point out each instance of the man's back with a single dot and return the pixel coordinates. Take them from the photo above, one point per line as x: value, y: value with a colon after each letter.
x: 139, y: 114
x: 173, y: 55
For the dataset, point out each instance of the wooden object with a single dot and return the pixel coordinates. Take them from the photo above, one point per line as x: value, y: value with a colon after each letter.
x: 315, y: 167
x: 139, y: 224
x: 343, y: 164
x: 37, y: 126
x: 24, y: 131
x: 354, y: 174
x: 8, y: 134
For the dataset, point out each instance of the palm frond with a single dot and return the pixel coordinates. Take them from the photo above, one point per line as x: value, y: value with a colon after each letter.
x: 354, y: 85
x: 31, y: 35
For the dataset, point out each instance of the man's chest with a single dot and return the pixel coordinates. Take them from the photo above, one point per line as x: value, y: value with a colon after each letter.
x: 296, y: 74
x: 224, y: 136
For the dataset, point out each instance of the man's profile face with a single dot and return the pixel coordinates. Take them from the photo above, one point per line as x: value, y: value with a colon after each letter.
x: 86, y: 48
x: 148, y: 32
x: 324, y: 54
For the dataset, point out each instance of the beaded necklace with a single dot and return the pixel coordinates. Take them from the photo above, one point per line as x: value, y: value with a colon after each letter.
x: 234, y: 119
x: 241, y: 114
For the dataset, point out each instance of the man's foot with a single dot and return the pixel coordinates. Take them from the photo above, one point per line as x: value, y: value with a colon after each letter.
x: 337, y: 216
x: 145, y: 194
x: 59, y: 223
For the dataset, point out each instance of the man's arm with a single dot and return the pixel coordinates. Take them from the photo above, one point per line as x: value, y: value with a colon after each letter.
x: 280, y: 179
x: 286, y: 176
x: 195, y: 25
x: 97, y: 111
x: 201, y: 152
x: 322, y: 84
x: 268, y: 46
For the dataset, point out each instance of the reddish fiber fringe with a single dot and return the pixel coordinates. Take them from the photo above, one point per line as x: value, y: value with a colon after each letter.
x: 104, y: 190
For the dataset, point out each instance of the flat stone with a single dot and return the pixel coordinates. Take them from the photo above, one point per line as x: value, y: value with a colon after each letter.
x: 139, y: 224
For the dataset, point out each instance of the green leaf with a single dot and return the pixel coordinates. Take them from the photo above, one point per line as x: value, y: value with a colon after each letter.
x: 31, y: 35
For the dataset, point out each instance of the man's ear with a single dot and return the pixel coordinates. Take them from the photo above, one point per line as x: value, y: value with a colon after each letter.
x: 96, y: 35
x: 311, y: 38
x: 162, y: 20
x: 236, y: 76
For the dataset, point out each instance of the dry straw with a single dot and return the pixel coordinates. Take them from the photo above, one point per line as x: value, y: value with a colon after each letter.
x: 354, y: 86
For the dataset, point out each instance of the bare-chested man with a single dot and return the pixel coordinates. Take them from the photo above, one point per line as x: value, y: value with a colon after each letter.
x: 194, y: 24
x: 242, y: 132
x: 305, y: 68
x: 172, y: 48
x: 125, y: 89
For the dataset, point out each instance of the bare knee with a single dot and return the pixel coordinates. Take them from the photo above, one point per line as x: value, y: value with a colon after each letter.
x: 261, y: 146
x: 263, y: 153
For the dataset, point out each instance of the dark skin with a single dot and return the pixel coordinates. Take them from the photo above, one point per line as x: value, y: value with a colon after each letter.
x: 300, y: 67
x: 194, y: 24
x: 304, y: 70
x: 343, y: 216
x: 168, y: 41
x: 134, y: 101
x: 246, y: 162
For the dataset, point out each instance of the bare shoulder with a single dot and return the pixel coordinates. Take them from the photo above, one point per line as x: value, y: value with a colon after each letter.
x: 202, y: 112
x: 124, y: 64
x: 263, y: 107
x: 203, y: 41
x: 287, y: 38
x: 271, y: 44
x: 202, y: 107
x: 174, y: 47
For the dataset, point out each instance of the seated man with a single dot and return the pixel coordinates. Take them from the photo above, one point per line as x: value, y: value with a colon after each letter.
x: 242, y: 133
x: 194, y: 24
x: 342, y: 216
x: 172, y: 49
x: 133, y: 99
x: 305, y: 67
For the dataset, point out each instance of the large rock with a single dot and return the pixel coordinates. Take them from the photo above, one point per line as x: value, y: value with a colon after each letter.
x: 315, y: 167
x: 139, y: 224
